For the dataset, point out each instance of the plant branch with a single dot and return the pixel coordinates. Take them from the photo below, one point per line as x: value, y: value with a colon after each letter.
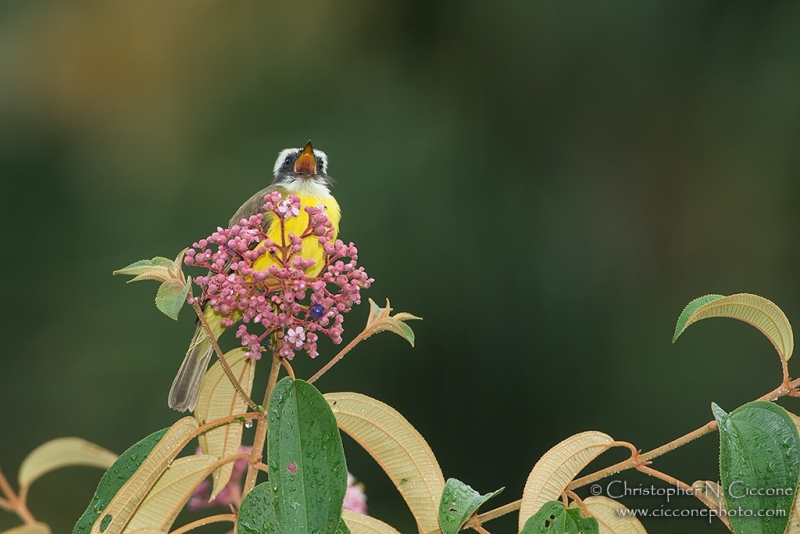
x: 638, y: 461
x: 205, y: 521
x: 228, y: 371
x: 14, y: 503
x: 358, y: 339
x: 494, y: 514
x: 261, y: 428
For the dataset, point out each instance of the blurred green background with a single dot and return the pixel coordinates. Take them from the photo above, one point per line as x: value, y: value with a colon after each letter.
x: 546, y: 183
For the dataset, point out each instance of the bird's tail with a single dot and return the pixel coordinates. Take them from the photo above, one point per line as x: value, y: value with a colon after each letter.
x: 186, y: 386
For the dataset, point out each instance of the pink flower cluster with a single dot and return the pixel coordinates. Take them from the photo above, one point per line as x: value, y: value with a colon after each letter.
x: 291, y: 294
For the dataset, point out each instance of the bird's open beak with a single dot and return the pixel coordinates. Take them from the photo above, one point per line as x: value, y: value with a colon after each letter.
x: 306, y: 162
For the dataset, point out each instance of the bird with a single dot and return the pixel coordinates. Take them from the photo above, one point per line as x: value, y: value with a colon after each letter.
x: 302, y: 172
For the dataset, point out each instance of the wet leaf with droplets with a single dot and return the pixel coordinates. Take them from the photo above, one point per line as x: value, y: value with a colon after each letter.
x: 257, y: 513
x: 116, y: 476
x: 458, y: 503
x: 759, y: 465
x: 553, y: 518
x: 308, y: 474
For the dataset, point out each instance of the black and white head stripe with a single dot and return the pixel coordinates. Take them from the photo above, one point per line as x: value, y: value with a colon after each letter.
x: 286, y: 158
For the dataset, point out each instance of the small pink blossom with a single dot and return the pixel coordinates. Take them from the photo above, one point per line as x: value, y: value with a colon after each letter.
x: 296, y: 336
x: 284, y: 296
x: 355, y: 499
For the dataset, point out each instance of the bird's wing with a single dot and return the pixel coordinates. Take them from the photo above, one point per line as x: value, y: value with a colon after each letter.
x: 255, y: 205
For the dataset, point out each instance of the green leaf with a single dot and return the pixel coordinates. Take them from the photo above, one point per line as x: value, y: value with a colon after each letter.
x: 342, y: 528
x: 759, y: 453
x: 751, y: 309
x: 458, y: 503
x: 171, y: 296
x: 307, y: 470
x: 116, y: 476
x: 553, y: 518
x: 257, y: 513
x: 689, y: 310
x: 156, y: 269
x: 379, y: 320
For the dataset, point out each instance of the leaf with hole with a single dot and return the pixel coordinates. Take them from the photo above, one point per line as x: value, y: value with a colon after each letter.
x: 307, y: 470
x: 398, y: 448
x: 458, y: 503
x: 557, y: 467
x: 759, y: 465
x: 553, y: 518
x: 751, y: 309
x: 218, y: 399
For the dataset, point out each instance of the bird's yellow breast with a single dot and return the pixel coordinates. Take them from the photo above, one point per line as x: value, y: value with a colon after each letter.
x: 297, y: 225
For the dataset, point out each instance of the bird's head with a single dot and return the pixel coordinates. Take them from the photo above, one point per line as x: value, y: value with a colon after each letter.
x: 301, y: 168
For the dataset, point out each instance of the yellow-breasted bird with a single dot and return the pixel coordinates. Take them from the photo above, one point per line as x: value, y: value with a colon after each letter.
x: 302, y: 172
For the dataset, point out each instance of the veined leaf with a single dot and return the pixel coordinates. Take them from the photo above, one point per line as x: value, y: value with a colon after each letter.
x: 364, y: 524
x: 129, y: 497
x: 611, y: 516
x: 379, y: 320
x: 457, y: 505
x: 307, y: 470
x: 557, y: 467
x: 113, y: 479
x: 36, y: 528
x: 219, y: 398
x: 752, y: 309
x: 398, y: 448
x: 62, y: 452
x: 170, y: 494
x: 759, y: 450
x: 553, y: 518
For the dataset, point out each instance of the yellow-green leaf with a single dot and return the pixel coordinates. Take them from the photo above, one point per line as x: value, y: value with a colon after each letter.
x: 752, y: 309
x: 171, y: 296
x: 218, y: 398
x: 170, y: 494
x: 398, y: 448
x: 380, y: 320
x: 62, y: 452
x: 36, y: 528
x: 364, y: 524
x: 122, y: 507
x: 557, y: 467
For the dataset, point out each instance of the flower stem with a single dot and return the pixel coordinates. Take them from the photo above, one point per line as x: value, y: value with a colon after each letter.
x: 228, y: 371
x: 261, y: 428
x: 358, y: 339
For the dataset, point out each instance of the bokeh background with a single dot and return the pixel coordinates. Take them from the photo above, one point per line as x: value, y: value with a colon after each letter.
x: 546, y: 183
